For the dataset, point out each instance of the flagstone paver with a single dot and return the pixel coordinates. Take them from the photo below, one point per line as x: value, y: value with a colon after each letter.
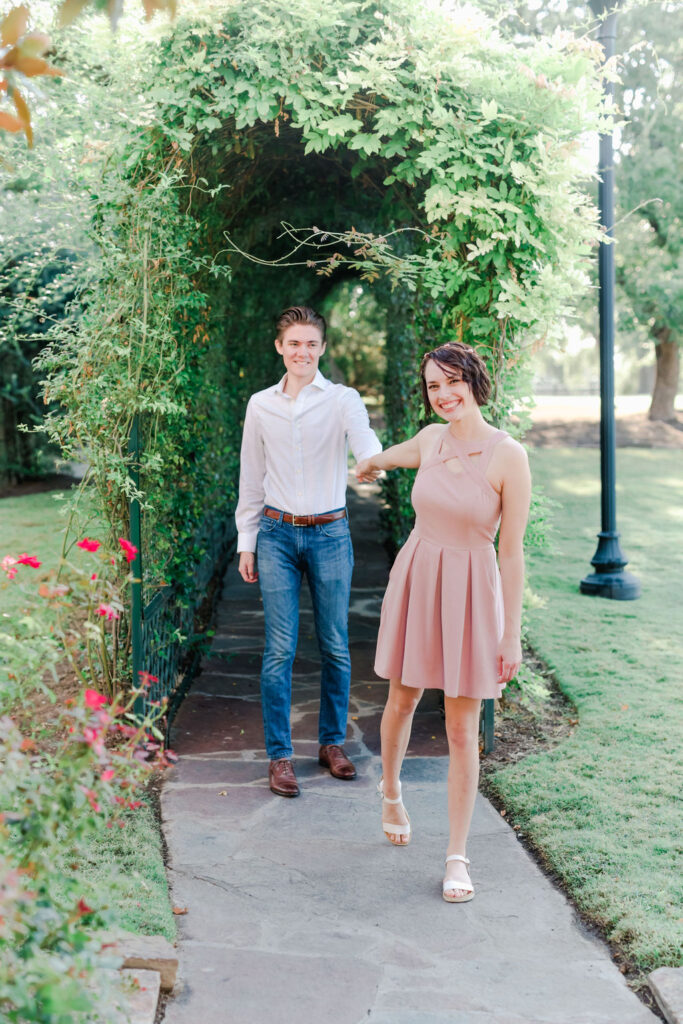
x: 667, y: 985
x: 300, y: 912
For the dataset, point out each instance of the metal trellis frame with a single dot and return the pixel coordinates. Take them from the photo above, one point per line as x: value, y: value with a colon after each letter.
x: 165, y: 640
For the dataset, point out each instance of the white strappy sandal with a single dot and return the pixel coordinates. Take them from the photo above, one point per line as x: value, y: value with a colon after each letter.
x: 450, y: 883
x: 389, y: 827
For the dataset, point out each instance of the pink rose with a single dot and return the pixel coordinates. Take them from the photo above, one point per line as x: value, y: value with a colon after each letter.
x: 28, y: 560
x: 9, y: 566
x: 94, y: 700
x: 146, y: 679
x: 129, y: 550
x: 107, y: 612
x: 88, y: 545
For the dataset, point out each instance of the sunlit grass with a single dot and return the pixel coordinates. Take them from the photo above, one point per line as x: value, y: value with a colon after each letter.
x: 34, y: 521
x: 35, y: 524
x: 122, y: 869
x: 604, y: 806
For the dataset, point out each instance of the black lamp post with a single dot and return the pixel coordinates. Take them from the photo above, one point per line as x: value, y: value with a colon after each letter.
x: 609, y: 578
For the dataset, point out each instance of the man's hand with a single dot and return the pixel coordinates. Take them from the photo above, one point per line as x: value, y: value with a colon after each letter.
x: 366, y: 472
x: 247, y: 567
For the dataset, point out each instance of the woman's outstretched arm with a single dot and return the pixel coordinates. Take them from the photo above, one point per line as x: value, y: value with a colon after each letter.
x: 406, y: 455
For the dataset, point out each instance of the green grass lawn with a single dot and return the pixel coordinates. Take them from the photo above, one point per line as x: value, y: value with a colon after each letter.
x: 31, y: 524
x: 122, y: 869
x: 604, y: 807
x: 33, y: 521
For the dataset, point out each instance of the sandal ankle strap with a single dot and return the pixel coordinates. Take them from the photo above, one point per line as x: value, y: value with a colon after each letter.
x: 380, y: 790
x: 458, y: 856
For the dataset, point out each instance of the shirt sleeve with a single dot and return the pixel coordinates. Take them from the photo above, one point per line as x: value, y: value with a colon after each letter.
x: 252, y: 476
x: 363, y: 440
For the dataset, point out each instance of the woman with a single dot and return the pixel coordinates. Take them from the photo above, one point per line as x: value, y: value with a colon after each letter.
x: 450, y: 617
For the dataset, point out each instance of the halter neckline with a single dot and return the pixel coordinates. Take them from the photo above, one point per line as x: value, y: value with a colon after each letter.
x: 474, y: 445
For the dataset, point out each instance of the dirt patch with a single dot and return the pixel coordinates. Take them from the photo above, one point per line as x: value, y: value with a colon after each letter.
x: 528, y: 725
x: 37, y: 717
x: 634, y: 431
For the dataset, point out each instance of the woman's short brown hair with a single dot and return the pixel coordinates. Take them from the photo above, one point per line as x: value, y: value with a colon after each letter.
x: 467, y: 361
x: 299, y: 315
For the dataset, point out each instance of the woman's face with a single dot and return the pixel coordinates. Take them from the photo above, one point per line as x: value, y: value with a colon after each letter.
x: 449, y: 396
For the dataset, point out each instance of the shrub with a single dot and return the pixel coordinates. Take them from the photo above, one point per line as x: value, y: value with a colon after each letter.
x: 56, y: 795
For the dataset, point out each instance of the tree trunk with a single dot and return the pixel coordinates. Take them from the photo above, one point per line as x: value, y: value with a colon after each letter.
x: 665, y: 390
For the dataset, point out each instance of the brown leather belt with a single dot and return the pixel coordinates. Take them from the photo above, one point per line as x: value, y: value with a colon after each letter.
x: 287, y: 517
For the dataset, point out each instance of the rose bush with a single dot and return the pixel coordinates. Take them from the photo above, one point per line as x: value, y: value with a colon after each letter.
x: 55, y: 797
x: 82, y: 609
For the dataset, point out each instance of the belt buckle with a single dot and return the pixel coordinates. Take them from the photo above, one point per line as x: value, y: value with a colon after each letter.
x: 300, y: 520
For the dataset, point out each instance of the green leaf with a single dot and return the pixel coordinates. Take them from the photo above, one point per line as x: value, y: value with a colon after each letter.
x: 341, y: 125
x: 209, y: 124
x: 489, y: 109
x: 366, y: 143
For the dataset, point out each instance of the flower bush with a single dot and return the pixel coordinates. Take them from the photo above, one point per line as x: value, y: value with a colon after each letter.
x: 53, y: 802
x: 82, y: 611
x: 55, y: 797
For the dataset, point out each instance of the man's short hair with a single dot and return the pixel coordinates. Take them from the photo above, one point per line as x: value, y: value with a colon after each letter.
x: 299, y: 315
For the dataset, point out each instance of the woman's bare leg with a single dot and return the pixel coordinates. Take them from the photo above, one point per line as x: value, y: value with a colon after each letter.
x: 397, y: 721
x: 462, y: 730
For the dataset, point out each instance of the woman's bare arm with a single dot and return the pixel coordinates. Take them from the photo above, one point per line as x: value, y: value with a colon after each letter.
x: 515, y: 498
x: 406, y: 455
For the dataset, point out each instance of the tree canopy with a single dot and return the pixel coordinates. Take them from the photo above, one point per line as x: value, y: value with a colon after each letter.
x: 648, y: 154
x: 419, y: 148
x: 650, y: 203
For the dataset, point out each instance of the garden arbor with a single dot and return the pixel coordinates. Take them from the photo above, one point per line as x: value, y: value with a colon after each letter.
x: 411, y: 145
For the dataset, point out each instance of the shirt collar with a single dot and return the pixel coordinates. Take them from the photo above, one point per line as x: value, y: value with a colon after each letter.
x: 318, y: 381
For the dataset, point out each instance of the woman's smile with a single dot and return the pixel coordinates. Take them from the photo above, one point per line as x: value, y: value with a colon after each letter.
x: 449, y: 404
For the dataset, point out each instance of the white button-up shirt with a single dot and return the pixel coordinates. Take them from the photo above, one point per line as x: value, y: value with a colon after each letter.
x: 294, y: 451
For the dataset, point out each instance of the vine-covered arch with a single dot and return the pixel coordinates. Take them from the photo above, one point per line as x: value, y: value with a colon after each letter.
x: 412, y: 145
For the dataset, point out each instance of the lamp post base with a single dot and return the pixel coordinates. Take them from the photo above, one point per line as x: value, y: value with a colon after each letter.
x: 619, y: 586
x: 609, y: 579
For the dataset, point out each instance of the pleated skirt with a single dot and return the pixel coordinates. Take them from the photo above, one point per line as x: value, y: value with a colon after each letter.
x: 442, y: 620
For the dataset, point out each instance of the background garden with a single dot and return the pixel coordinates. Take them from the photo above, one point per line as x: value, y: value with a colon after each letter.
x: 420, y: 173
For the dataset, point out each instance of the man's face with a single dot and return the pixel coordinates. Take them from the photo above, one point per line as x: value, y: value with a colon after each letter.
x: 301, y: 347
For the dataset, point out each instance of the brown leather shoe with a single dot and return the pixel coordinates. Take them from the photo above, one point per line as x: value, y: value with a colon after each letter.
x: 281, y: 778
x: 333, y: 757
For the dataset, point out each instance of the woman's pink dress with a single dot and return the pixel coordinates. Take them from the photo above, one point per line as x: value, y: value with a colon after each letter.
x: 442, y: 614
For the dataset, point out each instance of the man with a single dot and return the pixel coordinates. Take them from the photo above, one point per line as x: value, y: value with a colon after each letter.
x: 293, y: 478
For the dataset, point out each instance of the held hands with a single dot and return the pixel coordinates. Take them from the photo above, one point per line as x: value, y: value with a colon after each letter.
x: 247, y: 567
x: 367, y: 472
x: 509, y: 659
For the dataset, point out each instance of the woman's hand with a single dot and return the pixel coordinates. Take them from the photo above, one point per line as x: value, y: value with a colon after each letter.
x: 367, y: 472
x: 509, y: 659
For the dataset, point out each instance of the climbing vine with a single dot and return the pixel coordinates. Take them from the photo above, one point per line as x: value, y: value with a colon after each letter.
x: 414, y: 146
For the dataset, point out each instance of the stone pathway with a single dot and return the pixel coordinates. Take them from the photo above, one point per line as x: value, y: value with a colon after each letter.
x: 300, y: 912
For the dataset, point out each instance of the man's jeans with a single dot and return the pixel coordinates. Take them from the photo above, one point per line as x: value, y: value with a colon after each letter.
x: 325, y: 555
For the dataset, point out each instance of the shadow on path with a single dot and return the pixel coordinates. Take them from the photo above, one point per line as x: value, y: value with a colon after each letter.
x: 300, y: 911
